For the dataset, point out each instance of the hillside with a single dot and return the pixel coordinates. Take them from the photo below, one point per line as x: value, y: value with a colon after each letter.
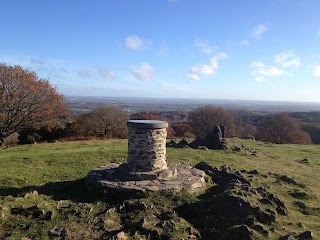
x: 274, y: 192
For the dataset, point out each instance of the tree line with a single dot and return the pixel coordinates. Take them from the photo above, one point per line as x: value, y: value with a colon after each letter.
x: 34, y: 109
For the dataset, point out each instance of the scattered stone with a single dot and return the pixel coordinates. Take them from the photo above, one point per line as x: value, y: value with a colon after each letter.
x: 207, y: 168
x: 265, y: 201
x: 307, y: 235
x: 304, y: 161
x: 298, y: 194
x: 33, y: 212
x: 287, y: 237
x: 58, y: 232
x: 172, y: 144
x: 253, y: 172
x: 260, y: 229
x: 239, y: 232
x: 196, y: 143
x: 119, y: 236
x: 235, y: 148
x: 288, y: 180
x: 282, y: 210
x: 183, y: 143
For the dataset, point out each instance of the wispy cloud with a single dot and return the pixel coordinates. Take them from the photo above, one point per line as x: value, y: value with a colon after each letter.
x: 107, y: 74
x: 244, y: 42
x: 205, y: 70
x: 144, y: 73
x: 164, y: 50
x: 261, y: 72
x: 135, y: 43
x: 316, y: 71
x: 204, y: 46
x: 97, y: 72
x: 46, y: 66
x: 258, y: 31
x: 287, y: 59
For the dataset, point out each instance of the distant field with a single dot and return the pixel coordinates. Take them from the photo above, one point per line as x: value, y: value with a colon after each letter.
x: 56, y: 172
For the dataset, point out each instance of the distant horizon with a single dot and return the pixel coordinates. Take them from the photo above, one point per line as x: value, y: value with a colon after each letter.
x: 185, y: 98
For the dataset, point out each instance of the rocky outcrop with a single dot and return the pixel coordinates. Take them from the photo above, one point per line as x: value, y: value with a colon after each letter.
x: 213, y: 140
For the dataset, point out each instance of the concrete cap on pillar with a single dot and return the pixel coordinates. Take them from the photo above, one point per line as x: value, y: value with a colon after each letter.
x: 149, y: 124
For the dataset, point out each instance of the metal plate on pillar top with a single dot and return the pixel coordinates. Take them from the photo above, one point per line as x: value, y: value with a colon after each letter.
x: 150, y: 124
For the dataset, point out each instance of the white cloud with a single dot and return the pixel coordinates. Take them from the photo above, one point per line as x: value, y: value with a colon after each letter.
x: 261, y: 72
x: 105, y: 73
x: 135, y: 43
x: 144, y: 73
x: 287, y: 59
x: 259, y: 30
x: 194, y: 77
x: 316, y: 71
x: 206, y: 69
x: 204, y: 46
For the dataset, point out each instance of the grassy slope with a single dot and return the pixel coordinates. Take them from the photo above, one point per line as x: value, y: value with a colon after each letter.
x: 53, y: 168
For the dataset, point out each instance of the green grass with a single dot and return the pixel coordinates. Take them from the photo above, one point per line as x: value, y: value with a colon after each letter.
x: 56, y: 172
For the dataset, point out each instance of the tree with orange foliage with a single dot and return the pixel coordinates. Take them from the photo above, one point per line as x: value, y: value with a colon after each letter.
x: 281, y: 128
x: 26, y: 101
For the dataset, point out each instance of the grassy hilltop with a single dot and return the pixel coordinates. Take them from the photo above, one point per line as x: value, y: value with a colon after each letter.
x: 42, y: 193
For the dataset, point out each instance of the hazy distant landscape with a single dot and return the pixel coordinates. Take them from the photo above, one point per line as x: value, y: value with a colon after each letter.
x: 80, y: 104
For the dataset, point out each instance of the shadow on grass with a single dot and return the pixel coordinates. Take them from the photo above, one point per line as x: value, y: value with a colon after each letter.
x: 69, y: 190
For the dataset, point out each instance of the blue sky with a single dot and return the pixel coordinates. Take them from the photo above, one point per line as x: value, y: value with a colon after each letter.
x: 249, y: 49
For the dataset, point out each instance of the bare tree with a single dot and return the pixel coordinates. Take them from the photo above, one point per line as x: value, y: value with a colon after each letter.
x: 281, y: 128
x: 108, y: 121
x: 203, y: 119
x: 26, y: 101
x: 244, y: 127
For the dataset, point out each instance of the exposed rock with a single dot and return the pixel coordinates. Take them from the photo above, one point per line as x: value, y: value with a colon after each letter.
x: 298, y: 194
x: 172, y: 143
x: 239, y: 233
x: 33, y: 212
x: 58, y: 232
x: 233, y: 204
x: 288, y: 180
x: 183, y: 143
x: 287, y: 237
x: 253, y: 172
x: 196, y: 143
x: 207, y: 168
x: 213, y: 140
x: 307, y: 235
x: 305, y: 161
x: 119, y: 236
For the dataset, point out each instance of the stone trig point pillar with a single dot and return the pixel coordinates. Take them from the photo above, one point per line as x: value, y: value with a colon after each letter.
x: 146, y: 168
x: 147, y: 145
